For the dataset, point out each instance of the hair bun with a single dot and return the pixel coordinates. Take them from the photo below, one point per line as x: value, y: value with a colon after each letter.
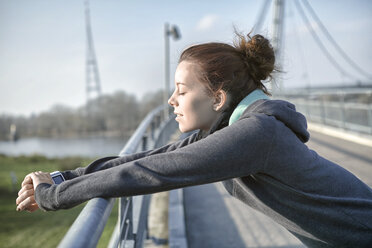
x: 258, y: 55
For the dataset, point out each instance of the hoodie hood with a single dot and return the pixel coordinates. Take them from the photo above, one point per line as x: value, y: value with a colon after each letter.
x: 282, y: 111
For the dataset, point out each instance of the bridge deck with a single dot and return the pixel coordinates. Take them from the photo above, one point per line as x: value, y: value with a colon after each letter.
x: 215, y: 219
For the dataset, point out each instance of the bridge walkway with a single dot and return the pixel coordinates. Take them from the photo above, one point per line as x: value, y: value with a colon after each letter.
x: 215, y: 219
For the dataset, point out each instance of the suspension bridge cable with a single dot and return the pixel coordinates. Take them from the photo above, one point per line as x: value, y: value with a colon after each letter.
x: 319, y: 42
x: 305, y: 73
x: 335, y: 44
x: 261, y: 17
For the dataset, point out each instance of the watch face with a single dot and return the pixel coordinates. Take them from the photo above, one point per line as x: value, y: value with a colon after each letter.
x: 58, y: 179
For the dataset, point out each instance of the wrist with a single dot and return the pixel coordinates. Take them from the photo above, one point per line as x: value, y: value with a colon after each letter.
x: 57, y: 177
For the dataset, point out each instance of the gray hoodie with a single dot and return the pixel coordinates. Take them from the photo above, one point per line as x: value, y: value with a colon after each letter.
x: 261, y: 159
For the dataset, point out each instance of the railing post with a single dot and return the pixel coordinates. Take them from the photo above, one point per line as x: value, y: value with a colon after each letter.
x: 126, y: 237
x: 88, y: 226
x: 353, y: 108
x: 370, y: 118
x: 322, y: 110
x: 144, y: 143
x: 158, y: 121
x: 307, y: 107
x: 343, y: 118
x: 153, y: 130
x: 142, y: 221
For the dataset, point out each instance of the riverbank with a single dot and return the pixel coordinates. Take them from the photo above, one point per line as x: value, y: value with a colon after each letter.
x: 82, y: 135
x: 38, y: 229
x: 50, y: 147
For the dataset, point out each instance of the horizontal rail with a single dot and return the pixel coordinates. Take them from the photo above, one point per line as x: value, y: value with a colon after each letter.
x: 326, y: 91
x: 347, y: 105
x: 135, y: 221
x: 87, y: 229
x: 348, y: 115
x: 135, y: 140
x: 92, y: 215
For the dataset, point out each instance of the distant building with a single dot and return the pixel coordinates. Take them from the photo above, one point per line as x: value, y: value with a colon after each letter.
x: 13, y: 135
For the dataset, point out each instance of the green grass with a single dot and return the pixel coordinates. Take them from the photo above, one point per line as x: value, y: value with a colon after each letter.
x: 38, y: 229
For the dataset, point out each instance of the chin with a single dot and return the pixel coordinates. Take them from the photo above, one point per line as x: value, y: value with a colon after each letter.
x: 185, y: 129
x: 182, y: 130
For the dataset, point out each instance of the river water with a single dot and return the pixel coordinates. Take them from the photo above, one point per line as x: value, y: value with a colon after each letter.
x: 52, y: 147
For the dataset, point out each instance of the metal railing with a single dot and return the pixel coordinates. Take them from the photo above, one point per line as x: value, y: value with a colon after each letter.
x: 130, y: 230
x: 346, y: 109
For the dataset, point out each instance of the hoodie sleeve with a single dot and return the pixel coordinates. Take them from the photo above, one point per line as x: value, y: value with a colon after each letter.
x: 235, y: 151
x: 108, y: 162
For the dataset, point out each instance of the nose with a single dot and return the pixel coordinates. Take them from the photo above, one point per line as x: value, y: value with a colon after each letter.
x: 172, y: 100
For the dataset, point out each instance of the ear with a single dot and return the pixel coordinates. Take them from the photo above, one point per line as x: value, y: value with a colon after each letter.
x: 220, y: 100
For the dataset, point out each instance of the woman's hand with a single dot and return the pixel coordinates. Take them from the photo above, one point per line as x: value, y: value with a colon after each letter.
x: 26, y: 197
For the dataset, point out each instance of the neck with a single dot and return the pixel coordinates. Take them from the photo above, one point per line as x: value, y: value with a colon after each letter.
x: 244, y: 104
x: 226, y: 118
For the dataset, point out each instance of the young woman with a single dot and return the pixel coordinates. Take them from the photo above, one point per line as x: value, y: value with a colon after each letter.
x: 254, y: 145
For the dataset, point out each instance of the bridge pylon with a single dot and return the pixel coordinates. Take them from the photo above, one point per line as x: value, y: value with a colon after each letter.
x: 93, y: 83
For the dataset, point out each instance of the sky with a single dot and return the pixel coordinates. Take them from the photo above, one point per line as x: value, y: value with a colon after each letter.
x: 43, y: 45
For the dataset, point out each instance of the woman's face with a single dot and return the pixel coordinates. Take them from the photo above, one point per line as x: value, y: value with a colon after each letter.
x: 192, y: 104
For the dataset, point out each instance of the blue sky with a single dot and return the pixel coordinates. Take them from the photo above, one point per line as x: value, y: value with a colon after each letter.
x: 42, y: 44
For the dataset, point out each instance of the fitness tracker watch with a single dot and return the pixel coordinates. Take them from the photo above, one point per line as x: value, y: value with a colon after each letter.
x: 57, y: 177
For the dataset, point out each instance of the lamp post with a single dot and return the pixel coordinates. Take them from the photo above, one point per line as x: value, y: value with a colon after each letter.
x: 277, y: 33
x: 174, y: 32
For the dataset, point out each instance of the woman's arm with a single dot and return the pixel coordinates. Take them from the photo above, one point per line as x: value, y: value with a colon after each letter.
x: 235, y: 151
x: 26, y: 198
x: 102, y: 163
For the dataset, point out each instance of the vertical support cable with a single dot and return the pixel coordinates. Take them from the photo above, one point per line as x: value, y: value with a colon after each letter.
x: 261, y: 17
x: 333, y: 41
x: 320, y: 44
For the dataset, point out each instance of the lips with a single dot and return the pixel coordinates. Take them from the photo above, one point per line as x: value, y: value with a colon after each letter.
x: 178, y: 116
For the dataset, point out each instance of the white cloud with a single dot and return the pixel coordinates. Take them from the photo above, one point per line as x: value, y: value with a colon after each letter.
x: 206, y: 22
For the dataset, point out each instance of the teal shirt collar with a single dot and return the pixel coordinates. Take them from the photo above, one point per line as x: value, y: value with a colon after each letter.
x: 248, y: 100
